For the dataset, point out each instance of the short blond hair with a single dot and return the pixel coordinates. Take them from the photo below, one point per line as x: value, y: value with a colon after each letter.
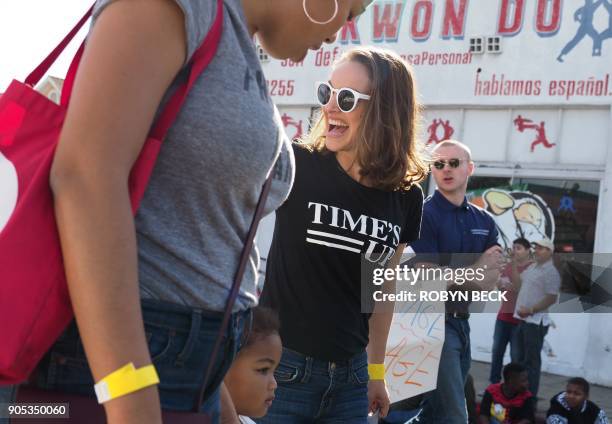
x: 455, y: 143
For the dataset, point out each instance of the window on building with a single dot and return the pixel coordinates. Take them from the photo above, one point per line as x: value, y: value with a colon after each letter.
x: 263, y: 56
x: 494, y: 44
x: 477, y: 45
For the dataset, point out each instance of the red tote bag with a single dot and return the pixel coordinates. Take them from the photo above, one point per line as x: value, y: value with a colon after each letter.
x: 34, y: 302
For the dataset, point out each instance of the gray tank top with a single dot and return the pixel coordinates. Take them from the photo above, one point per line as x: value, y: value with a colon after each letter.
x: 202, y: 195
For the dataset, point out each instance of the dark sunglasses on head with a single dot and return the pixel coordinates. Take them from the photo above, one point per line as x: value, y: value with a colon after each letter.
x: 346, y: 98
x: 453, y: 163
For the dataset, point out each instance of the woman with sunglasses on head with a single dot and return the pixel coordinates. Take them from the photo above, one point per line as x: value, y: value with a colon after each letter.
x: 355, y: 198
x: 152, y: 289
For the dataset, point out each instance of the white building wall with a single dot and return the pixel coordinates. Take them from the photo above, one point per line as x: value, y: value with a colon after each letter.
x: 573, y: 98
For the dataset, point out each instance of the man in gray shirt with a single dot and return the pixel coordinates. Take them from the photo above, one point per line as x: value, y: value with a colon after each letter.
x: 539, y: 290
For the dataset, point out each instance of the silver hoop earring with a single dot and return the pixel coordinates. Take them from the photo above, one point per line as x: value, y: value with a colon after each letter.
x: 314, y: 21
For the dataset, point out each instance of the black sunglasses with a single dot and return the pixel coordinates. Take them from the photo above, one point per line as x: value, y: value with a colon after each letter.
x: 453, y: 163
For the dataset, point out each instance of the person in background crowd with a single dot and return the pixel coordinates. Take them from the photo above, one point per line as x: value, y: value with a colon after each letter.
x: 451, y: 227
x: 540, y: 284
x: 509, y: 402
x: 506, y: 326
x: 574, y: 407
x: 151, y: 289
x: 250, y: 380
x: 356, y: 200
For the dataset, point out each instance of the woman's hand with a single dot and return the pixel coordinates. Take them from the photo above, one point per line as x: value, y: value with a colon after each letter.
x: 378, y: 397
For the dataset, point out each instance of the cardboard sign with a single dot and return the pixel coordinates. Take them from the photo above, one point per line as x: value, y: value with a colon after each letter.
x: 413, y: 350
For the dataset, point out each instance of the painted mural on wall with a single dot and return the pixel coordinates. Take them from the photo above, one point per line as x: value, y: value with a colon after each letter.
x: 439, y: 130
x: 523, y: 124
x: 297, y: 120
x: 293, y: 127
x: 517, y: 213
x: 585, y: 16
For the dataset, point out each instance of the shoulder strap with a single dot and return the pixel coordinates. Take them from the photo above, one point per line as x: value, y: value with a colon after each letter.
x: 199, y: 62
x: 244, y: 257
x: 36, y: 75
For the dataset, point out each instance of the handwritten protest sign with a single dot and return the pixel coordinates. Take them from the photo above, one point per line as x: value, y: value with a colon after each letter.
x: 413, y: 350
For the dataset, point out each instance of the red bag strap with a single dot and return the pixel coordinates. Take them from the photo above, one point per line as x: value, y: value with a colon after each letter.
x: 36, y: 75
x: 199, y: 61
x: 71, y: 75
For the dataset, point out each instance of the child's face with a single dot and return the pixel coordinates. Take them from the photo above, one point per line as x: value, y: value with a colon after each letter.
x: 574, y: 395
x: 250, y: 380
x: 519, y: 382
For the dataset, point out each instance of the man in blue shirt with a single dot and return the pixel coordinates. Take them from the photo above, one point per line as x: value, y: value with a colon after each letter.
x: 454, y: 234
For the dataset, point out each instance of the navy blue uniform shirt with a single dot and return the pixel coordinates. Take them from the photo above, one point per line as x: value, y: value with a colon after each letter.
x: 447, y: 230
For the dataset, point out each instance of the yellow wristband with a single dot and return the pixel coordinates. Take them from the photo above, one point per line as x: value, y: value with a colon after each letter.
x: 376, y: 371
x: 124, y: 381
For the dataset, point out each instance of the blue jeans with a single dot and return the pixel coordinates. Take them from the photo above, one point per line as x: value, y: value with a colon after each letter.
x: 446, y: 404
x: 505, y: 332
x: 180, y: 341
x: 531, y: 337
x: 315, y: 391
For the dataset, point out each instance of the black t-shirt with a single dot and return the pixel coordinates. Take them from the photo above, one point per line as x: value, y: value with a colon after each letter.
x: 313, y: 276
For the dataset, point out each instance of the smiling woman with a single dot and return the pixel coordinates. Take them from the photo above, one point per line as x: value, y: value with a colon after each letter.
x: 356, y: 200
x: 376, y: 144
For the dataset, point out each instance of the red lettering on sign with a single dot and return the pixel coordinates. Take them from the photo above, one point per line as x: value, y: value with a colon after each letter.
x: 511, y: 17
x: 350, y: 33
x: 281, y: 87
x: 386, y: 26
x: 548, y: 17
x: 453, y: 24
x: 421, y: 20
x: 502, y: 86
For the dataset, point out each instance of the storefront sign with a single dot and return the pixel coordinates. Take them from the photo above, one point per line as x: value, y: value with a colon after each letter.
x: 540, y: 52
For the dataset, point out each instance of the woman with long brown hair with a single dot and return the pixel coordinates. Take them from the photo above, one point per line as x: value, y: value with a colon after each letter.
x: 356, y: 198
